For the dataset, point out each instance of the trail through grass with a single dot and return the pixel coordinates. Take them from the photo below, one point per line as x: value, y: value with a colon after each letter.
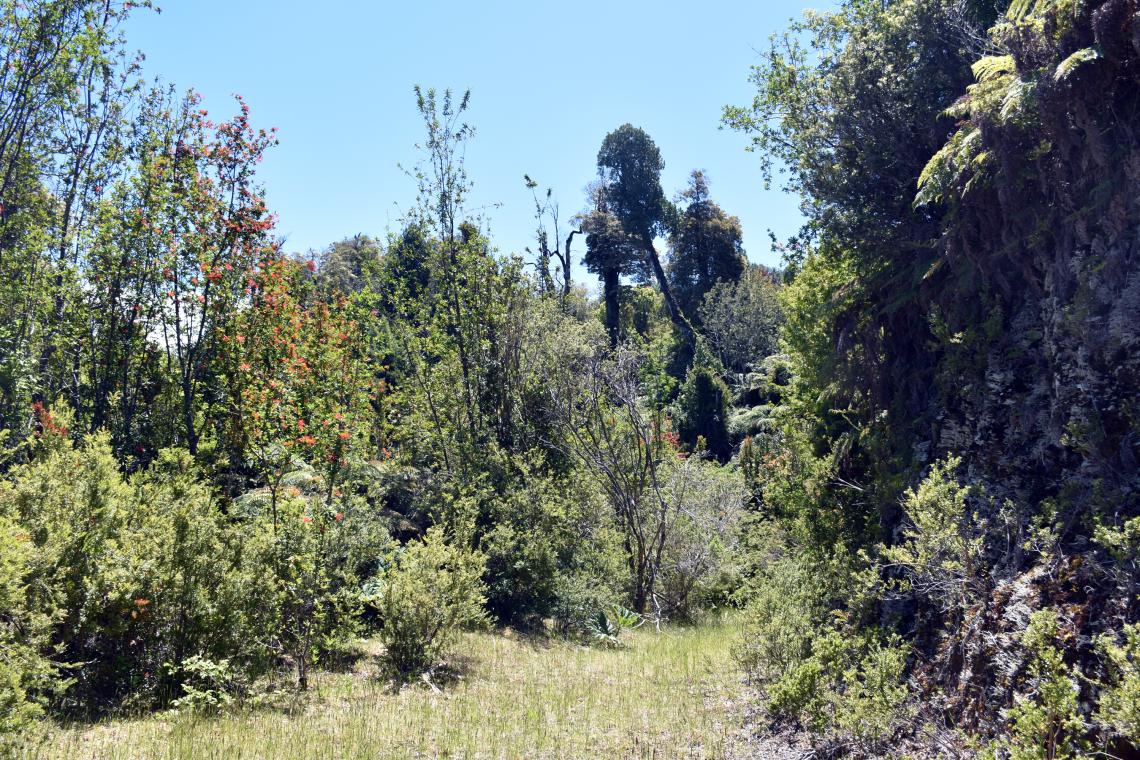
x: 673, y: 694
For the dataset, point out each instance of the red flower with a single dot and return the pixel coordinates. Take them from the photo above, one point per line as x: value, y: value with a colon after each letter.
x: 306, y: 519
x: 308, y: 440
x: 344, y: 435
x: 311, y: 265
x: 338, y: 516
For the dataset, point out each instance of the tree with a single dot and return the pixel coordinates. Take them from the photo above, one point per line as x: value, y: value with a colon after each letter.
x: 543, y: 208
x: 742, y: 318
x: 345, y: 266
x: 851, y: 104
x: 629, y: 165
x: 205, y: 215
x: 702, y: 413
x: 605, y: 428
x: 610, y: 253
x: 706, y: 248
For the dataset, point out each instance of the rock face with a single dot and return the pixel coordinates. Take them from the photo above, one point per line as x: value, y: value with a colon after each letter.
x: 1042, y: 250
x: 1038, y: 372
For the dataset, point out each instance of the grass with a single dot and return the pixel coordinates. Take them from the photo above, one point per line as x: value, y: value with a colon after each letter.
x: 673, y: 694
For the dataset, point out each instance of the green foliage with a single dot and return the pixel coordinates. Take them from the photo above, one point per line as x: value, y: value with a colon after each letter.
x: 706, y: 248
x: 699, y: 563
x: 25, y: 673
x: 701, y: 413
x: 784, y: 604
x: 1047, y: 721
x: 606, y: 624
x: 127, y: 575
x: 850, y: 683
x: 941, y: 551
x: 742, y: 319
x: 1119, y: 709
x: 427, y: 593
x: 207, y: 686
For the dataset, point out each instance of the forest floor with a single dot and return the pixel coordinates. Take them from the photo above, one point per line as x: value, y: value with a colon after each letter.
x: 670, y: 694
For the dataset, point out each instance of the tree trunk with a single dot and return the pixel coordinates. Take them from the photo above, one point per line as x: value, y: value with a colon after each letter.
x: 671, y: 306
x: 611, y: 284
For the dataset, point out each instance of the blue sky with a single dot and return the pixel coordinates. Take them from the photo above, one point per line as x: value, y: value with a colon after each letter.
x: 548, y: 81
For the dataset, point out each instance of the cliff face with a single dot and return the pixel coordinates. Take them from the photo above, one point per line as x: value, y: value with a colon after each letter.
x: 1036, y: 303
x: 1039, y: 285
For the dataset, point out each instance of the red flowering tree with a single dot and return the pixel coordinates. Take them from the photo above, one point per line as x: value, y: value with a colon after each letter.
x: 300, y: 393
x: 202, y: 214
x: 300, y: 399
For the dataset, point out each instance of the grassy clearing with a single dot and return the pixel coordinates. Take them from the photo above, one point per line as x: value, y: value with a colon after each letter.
x: 665, y: 695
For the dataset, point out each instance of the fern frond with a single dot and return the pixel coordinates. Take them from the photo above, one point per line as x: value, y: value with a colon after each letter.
x: 992, y: 66
x: 1075, y: 61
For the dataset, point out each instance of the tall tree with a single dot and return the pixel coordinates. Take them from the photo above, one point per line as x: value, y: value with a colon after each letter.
x: 630, y: 164
x: 610, y: 254
x: 707, y: 247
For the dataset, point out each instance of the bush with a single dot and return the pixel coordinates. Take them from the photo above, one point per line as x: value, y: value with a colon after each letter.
x: 427, y: 594
x: 701, y: 413
x: 207, y: 686
x: 24, y: 674
x: 941, y: 552
x: 784, y: 603
x: 851, y: 684
x: 129, y: 580
x: 1119, y: 710
x: 698, y: 568
x: 1046, y: 722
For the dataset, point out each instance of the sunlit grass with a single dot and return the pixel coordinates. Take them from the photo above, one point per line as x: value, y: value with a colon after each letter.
x: 664, y: 695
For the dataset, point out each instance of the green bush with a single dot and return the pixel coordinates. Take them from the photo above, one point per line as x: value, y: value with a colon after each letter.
x: 699, y: 567
x: 427, y: 594
x: 941, y: 551
x: 25, y: 675
x: 207, y: 686
x: 783, y: 608
x: 701, y: 413
x: 579, y: 594
x: 125, y: 581
x: 1119, y: 709
x: 850, y: 685
x: 1046, y: 721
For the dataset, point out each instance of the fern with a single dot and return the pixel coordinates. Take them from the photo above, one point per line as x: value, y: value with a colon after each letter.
x: 1075, y: 61
x: 992, y: 66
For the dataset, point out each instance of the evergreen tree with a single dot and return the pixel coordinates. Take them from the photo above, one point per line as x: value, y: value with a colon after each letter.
x: 707, y: 247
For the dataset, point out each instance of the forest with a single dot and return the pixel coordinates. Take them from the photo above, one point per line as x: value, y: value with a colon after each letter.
x: 623, y: 493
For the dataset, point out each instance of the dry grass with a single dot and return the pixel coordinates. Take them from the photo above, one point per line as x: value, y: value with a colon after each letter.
x: 664, y: 695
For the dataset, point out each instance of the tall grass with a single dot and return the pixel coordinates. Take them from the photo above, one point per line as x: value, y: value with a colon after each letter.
x: 664, y: 695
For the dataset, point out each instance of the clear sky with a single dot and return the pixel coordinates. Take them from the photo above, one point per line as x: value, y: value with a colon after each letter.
x: 548, y: 81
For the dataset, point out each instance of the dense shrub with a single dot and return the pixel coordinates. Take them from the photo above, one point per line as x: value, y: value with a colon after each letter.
x: 940, y: 553
x: 699, y: 566
x: 1119, y: 709
x: 784, y: 605
x: 133, y: 576
x: 427, y: 594
x: 850, y: 684
x: 25, y: 674
x: 701, y: 413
